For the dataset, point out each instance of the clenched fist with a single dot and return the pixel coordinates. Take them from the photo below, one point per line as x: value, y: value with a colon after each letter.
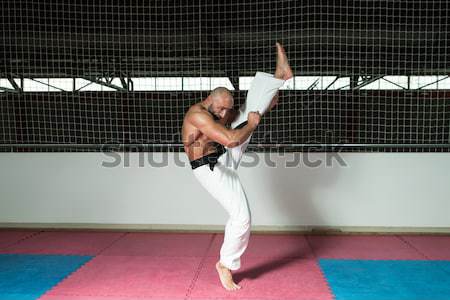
x: 254, y: 118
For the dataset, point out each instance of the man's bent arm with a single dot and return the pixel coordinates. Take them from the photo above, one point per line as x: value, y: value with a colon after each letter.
x: 219, y: 133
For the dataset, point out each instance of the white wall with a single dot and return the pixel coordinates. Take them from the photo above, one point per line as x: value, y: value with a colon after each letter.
x: 374, y: 189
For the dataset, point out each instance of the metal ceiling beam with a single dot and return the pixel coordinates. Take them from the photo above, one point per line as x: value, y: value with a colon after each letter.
x: 98, y: 81
x: 368, y: 81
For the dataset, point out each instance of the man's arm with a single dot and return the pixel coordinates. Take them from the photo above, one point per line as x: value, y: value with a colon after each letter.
x: 219, y: 133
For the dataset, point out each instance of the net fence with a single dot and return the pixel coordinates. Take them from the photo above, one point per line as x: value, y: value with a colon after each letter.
x: 96, y: 76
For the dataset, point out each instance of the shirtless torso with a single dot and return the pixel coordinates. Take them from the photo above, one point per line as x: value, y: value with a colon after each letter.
x: 196, y: 144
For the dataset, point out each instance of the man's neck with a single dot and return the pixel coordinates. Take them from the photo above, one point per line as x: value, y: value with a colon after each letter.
x: 207, y: 105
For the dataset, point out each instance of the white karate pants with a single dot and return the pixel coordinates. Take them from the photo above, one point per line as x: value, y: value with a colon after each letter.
x: 223, y: 182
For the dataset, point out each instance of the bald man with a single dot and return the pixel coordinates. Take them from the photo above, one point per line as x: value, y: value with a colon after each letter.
x: 215, y: 137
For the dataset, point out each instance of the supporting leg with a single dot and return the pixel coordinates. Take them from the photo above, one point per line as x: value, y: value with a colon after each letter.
x: 237, y: 229
x: 225, y: 186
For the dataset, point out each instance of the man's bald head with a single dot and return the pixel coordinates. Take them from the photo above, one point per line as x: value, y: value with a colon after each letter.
x: 221, y: 92
x: 222, y: 101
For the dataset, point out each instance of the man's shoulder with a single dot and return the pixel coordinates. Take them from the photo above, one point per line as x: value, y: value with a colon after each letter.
x: 196, y: 111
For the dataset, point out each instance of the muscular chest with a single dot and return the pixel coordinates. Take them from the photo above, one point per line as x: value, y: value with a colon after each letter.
x: 203, y: 139
x: 193, y: 135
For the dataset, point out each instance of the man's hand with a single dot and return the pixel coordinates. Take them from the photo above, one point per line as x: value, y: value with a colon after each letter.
x: 253, y: 119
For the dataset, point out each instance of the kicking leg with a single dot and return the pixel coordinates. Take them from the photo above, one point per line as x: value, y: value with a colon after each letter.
x: 264, y: 88
x: 262, y: 96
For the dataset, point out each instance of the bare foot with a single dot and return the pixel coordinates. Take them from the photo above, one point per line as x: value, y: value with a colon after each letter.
x: 226, y: 278
x: 283, y: 70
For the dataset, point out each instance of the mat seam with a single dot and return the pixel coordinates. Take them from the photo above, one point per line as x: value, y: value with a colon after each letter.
x: 112, y: 243
x: 81, y: 267
x: 22, y: 239
x: 423, y: 254
x: 199, y: 268
x: 67, y: 276
x: 413, y: 247
x: 316, y: 261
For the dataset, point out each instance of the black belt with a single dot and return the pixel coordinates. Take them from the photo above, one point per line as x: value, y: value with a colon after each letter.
x: 210, y: 158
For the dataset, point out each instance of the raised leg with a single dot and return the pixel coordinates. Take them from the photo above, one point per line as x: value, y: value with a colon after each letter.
x: 262, y: 97
x: 259, y: 97
x: 263, y: 92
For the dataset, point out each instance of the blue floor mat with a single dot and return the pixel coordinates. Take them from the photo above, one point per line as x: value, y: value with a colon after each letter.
x: 26, y: 277
x: 352, y: 279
